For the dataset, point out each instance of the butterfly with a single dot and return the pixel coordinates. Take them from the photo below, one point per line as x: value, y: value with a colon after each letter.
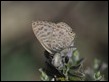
x: 54, y: 37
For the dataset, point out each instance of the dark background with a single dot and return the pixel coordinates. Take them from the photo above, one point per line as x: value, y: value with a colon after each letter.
x: 22, y: 54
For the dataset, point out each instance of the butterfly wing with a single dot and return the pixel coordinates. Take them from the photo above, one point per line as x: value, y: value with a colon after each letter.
x: 57, y: 39
x: 70, y: 35
x: 43, y: 31
x: 53, y: 37
x: 62, y: 37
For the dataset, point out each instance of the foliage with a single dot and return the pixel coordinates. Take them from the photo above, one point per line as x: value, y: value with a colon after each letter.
x: 71, y: 70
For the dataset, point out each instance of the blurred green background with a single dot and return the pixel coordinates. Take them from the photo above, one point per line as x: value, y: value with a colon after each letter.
x: 22, y: 54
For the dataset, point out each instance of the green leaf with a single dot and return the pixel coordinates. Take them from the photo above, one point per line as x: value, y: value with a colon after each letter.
x: 74, y: 78
x: 75, y: 67
x: 96, y: 64
x: 80, y: 61
x: 76, y: 74
x: 98, y: 76
x: 98, y: 73
x: 44, y: 76
x: 76, y: 55
x: 61, y: 79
